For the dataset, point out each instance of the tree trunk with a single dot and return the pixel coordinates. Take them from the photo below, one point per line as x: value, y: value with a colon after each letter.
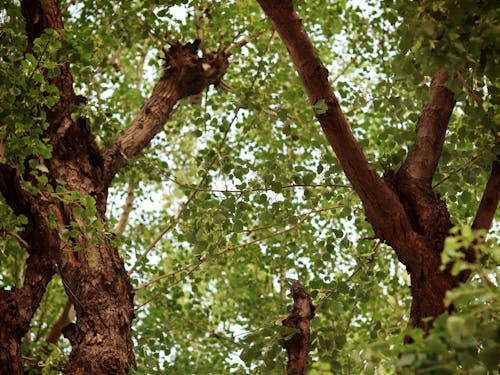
x: 401, y: 207
x: 59, y: 237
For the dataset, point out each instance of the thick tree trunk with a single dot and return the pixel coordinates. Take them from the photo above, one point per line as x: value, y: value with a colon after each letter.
x: 92, y: 272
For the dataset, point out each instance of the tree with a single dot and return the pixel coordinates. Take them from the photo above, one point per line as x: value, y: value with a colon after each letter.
x: 225, y: 199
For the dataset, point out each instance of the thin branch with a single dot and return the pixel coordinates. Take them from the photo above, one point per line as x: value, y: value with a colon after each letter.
x: 127, y: 208
x: 162, y: 291
x: 476, y: 99
x: 161, y: 277
x: 349, y: 278
x: 459, y: 169
x: 260, y: 239
x: 201, y: 327
x: 254, y: 190
x: 18, y: 238
x: 287, y: 218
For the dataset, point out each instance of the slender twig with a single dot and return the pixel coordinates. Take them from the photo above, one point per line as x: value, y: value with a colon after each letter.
x: 273, y: 234
x: 201, y: 327
x: 455, y: 172
x: 18, y: 238
x: 127, y: 208
x: 161, y: 277
x: 349, y: 278
x: 287, y: 218
x: 162, y: 291
x: 475, y: 98
x: 38, y: 61
x: 254, y: 190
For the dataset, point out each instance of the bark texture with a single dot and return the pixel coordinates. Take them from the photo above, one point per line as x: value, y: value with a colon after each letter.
x: 300, y: 318
x: 94, y: 277
x: 402, y: 208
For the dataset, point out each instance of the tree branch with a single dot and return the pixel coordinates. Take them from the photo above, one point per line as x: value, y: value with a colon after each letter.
x: 300, y: 318
x: 129, y: 201
x: 65, y: 318
x: 422, y: 162
x: 382, y: 206
x: 185, y: 74
x: 17, y: 307
x: 489, y: 202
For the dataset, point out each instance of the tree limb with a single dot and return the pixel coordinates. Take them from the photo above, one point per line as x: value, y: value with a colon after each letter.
x: 127, y: 208
x: 185, y: 74
x: 300, y: 318
x: 489, y: 202
x: 65, y: 318
x: 17, y: 307
x: 382, y: 206
x: 422, y: 162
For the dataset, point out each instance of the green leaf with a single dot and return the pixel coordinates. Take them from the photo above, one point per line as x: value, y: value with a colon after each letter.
x: 320, y: 107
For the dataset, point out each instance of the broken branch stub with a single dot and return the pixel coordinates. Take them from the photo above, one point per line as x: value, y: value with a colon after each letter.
x: 300, y: 318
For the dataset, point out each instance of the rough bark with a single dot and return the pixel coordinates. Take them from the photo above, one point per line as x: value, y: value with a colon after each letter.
x: 300, y: 318
x: 401, y: 207
x: 93, y: 276
x: 184, y: 74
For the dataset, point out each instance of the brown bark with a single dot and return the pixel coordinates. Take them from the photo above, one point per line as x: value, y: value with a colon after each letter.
x: 402, y: 208
x: 489, y: 202
x: 94, y: 276
x: 300, y: 318
x: 17, y: 307
x: 184, y: 74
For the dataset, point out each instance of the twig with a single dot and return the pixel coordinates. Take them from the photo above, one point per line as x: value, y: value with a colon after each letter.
x: 354, y: 273
x: 161, y: 277
x: 246, y: 191
x: 18, y: 238
x: 162, y: 291
x: 455, y: 172
x: 475, y: 98
x: 274, y: 234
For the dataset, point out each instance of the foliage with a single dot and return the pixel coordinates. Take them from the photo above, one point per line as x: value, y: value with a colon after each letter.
x: 241, y: 194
